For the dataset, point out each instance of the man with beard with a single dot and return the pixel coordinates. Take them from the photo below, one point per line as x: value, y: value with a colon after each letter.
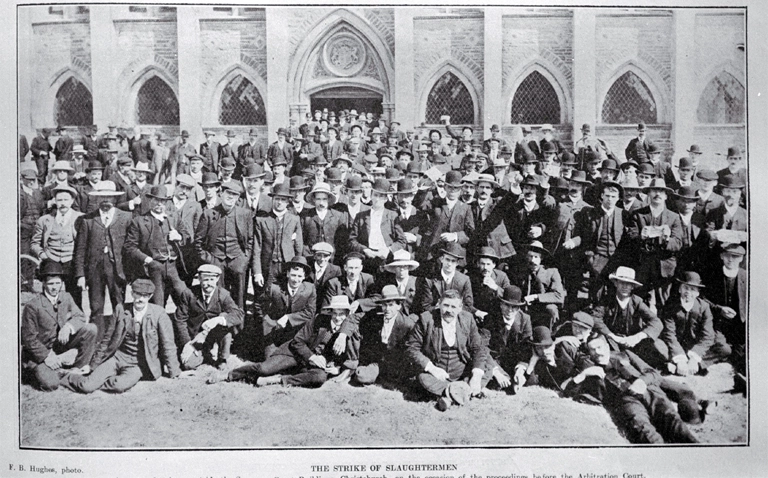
x: 206, y: 321
x: 447, y: 349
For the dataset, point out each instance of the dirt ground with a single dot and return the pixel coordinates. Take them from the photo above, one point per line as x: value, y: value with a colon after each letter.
x: 191, y: 414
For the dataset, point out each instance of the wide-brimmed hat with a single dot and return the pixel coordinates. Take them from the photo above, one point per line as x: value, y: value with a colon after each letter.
x: 209, y: 269
x: 381, y: 186
x: 338, y: 302
x: 65, y: 188
x: 537, y: 246
x: 406, y: 186
x: 389, y: 293
x: 159, y: 191
x: 690, y: 278
x: 210, y: 179
x: 142, y: 167
x: 142, y: 287
x: 62, y: 165
x: 687, y: 193
x: 233, y: 187
x: 630, y: 184
x: 531, y: 181
x: 487, y: 178
x: 657, y: 183
x: 542, y: 336
x: 298, y: 261
x: 559, y: 183
x: 489, y: 252
x: 51, y: 268
x: 580, y: 177
x: 297, y: 183
x: 470, y: 177
x: 253, y: 171
x: 281, y: 190
x: 321, y: 188
x: 401, y: 258
x: 583, y: 319
x: 453, y: 249
x: 105, y: 189
x: 228, y: 164
x: 624, y: 274
x: 94, y: 165
x: 731, y: 181
x: 512, y: 295
x: 78, y: 149
x: 186, y: 180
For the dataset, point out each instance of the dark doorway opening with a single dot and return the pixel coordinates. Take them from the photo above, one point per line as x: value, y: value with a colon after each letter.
x: 347, y: 98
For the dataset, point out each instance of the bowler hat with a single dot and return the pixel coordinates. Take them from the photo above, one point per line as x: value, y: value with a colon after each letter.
x: 512, y: 295
x: 691, y: 278
x: 580, y: 177
x: 584, y: 319
x: 694, y: 149
x: 93, y: 165
x: 333, y: 174
x: 297, y: 183
x: 624, y: 274
x: 548, y: 147
x: 210, y: 179
x: 541, y: 336
x: 453, y: 178
x: 233, y: 187
x: 568, y: 158
x: 253, y: 170
x: 586, y: 128
x: 417, y: 167
x: 401, y: 258
x: 392, y: 175
x: 628, y: 164
x: 231, y: 134
x: 51, y: 268
x: 687, y: 193
x: 353, y: 183
x: 381, y: 186
x: 209, y: 269
x: 609, y: 165
x: 489, y: 252
x: 184, y: 133
x: 143, y: 287
x: 281, y: 190
x: 495, y: 128
x: 530, y: 181
x: 321, y: 188
x: 159, y: 191
x: 253, y: 132
x: 646, y: 168
x: 282, y: 131
x: 731, y: 181
x: 105, y: 189
x: 406, y: 186
x: 269, y: 178
x: 298, y: 261
x: 685, y: 163
x: 453, y: 249
x: 186, y: 180
x: 734, y: 151
x: 657, y: 183
x: 506, y: 150
x: 228, y: 164
x: 641, y: 127
x: 389, y: 293
x: 653, y: 148
x: 558, y: 183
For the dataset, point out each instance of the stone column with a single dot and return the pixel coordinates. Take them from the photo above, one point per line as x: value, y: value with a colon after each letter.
x: 686, y: 102
x: 405, y: 101
x: 584, y: 71
x: 493, y: 102
x: 190, y: 113
x: 25, y: 63
x: 103, y: 76
x: 277, y: 70
x: 388, y: 111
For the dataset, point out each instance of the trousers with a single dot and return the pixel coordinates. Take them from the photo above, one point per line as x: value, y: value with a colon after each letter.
x: 166, y: 279
x: 115, y: 375
x: 653, y: 419
x: 84, y: 340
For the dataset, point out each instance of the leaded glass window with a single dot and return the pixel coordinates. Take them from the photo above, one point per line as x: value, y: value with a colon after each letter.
x: 629, y: 100
x: 450, y: 97
x: 156, y: 103
x: 241, y: 104
x: 535, y: 102
x: 73, y: 105
x: 722, y: 101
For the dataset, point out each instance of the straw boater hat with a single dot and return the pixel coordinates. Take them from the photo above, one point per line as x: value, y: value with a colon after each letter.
x: 105, y: 189
x: 338, y: 302
x: 512, y: 295
x: 142, y: 167
x: 625, y: 274
x: 401, y: 258
x: 321, y: 188
x: 389, y: 293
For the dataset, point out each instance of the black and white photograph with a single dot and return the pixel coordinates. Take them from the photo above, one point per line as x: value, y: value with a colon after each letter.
x: 300, y: 231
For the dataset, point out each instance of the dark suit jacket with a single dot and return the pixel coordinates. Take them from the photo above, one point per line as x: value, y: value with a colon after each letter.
x: 278, y: 302
x: 410, y: 290
x: 548, y: 286
x: 390, y: 229
x: 211, y: 155
x: 137, y: 245
x: 247, y: 154
x: 340, y: 286
x: 637, y: 151
x: 715, y: 292
x: 87, y: 203
x: 275, y: 152
x: 89, y: 243
x: 227, y: 151
x: 133, y: 192
x: 205, y: 234
x: 317, y: 338
x: 40, y: 144
x: 332, y: 230
x: 263, y: 207
x: 588, y: 229
x: 417, y: 224
x: 684, y: 331
x: 430, y: 288
x: 424, y: 342
x: 458, y: 220
x: 391, y: 355
x: 713, y: 202
x: 331, y: 271
x: 63, y: 148
x: 498, y: 238
x: 483, y: 296
x: 41, y: 323
x: 189, y: 213
x: 265, y: 234
x: 157, y: 334
x: 716, y: 219
x: 610, y: 319
x: 509, y: 347
x: 564, y: 226
x: 192, y: 311
x: 655, y: 251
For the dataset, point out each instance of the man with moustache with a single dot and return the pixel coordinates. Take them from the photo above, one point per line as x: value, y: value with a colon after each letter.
x: 637, y: 149
x: 322, y: 270
x: 413, y: 221
x: 447, y: 349
x: 498, y: 239
x: 487, y: 283
x: 451, y: 220
x: 542, y: 287
x: 708, y: 200
x: 187, y: 211
x: 206, y: 320
x: 430, y: 287
x: 210, y: 152
x: 94, y: 173
x: 249, y: 153
x: 323, y: 223
x: 254, y: 199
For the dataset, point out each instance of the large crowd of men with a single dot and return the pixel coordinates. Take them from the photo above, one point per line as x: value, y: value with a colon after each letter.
x: 352, y: 251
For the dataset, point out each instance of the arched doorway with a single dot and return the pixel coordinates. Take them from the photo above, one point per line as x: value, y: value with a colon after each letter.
x: 347, y: 98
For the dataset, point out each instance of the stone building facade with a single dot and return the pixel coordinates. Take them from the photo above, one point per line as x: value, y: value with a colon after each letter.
x: 170, y: 68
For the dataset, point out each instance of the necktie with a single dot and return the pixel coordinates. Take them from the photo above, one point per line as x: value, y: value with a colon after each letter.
x: 105, y: 220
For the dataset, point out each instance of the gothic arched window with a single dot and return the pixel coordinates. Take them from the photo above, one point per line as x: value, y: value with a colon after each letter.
x: 156, y: 103
x: 629, y: 100
x: 241, y: 104
x: 450, y: 97
x: 73, y: 105
x: 722, y: 101
x: 535, y: 101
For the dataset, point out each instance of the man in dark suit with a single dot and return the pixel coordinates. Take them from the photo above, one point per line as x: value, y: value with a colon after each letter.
x: 98, y: 259
x: 123, y: 176
x: 637, y: 149
x: 656, y: 235
x: 542, y: 287
x: 431, y: 287
x: 224, y: 237
x: 227, y: 150
x: 510, y: 331
x: 451, y: 220
x: 628, y: 323
x: 86, y: 203
x: 31, y: 207
x: 41, y: 149
x: 251, y: 152
x: 498, y: 239
x: 708, y: 199
x: 210, y: 152
x: 206, y: 320
x: 694, y: 253
x: 354, y: 283
x: 382, y: 346
x: 187, y: 211
x: 152, y: 244
x: 52, y: 325
x: 322, y: 270
x: 141, y: 150
x: 287, y: 305
x: 411, y: 219
x: 64, y: 145
x: 448, y: 351
x: 488, y: 284
x: 281, y: 148
x: 399, y: 275
x: 375, y: 232
x: 323, y: 223
x: 661, y: 167
x: 277, y: 238
x: 730, y: 215
x: 136, y: 200
x: 254, y: 199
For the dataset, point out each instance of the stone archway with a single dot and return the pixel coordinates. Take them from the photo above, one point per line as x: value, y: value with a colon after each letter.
x: 342, y: 54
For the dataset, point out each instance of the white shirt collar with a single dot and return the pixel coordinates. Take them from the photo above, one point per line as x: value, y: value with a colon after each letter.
x: 687, y: 306
x: 159, y: 217
x: 623, y: 303
x: 450, y: 203
x: 449, y: 278
x: 279, y: 214
x: 686, y: 219
x: 731, y: 210
x: 656, y: 211
x: 322, y: 214
x: 730, y: 273
x: 529, y: 205
x: 449, y: 332
x: 178, y: 203
x: 606, y: 211
x: 53, y: 300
